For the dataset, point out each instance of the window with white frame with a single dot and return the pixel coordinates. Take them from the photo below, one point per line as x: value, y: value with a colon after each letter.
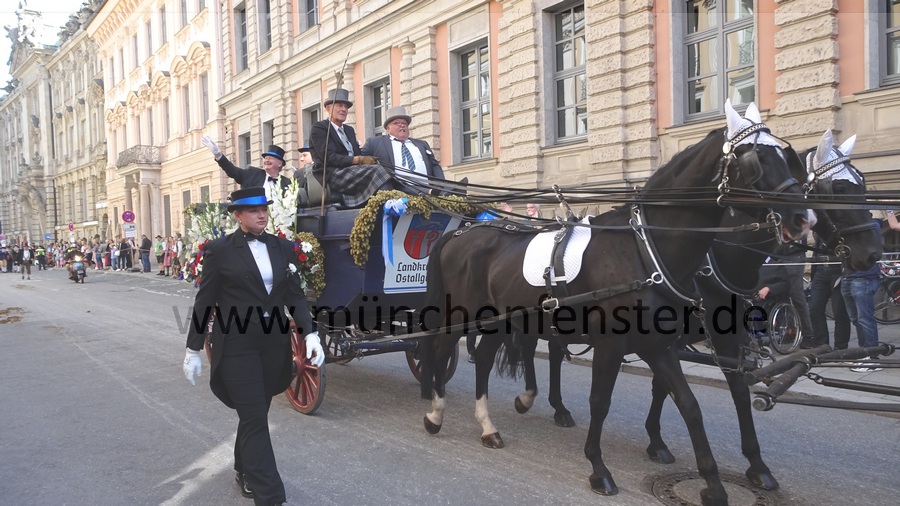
x: 148, y: 120
x: 310, y: 115
x: 186, y: 107
x: 475, y: 102
x: 121, y: 66
x: 184, y: 14
x: 244, y: 150
x: 201, y: 4
x: 165, y: 119
x: 891, y: 41
x: 240, y: 43
x: 569, y: 76
x: 309, y: 13
x: 265, y: 25
x: 162, y: 25
x: 204, y: 98
x: 148, y: 33
x: 134, y: 49
x: 378, y: 96
x: 719, y: 55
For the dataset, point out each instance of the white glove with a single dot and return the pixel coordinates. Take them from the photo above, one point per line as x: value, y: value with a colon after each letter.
x: 211, y: 145
x: 314, y: 346
x: 192, y: 364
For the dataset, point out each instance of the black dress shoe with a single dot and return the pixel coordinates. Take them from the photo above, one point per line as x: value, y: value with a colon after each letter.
x: 246, y: 491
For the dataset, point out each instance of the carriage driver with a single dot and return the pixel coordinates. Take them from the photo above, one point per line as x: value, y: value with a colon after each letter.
x: 248, y: 273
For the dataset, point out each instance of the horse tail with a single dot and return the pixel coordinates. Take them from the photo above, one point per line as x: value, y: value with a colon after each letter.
x: 432, y: 318
x: 510, y: 362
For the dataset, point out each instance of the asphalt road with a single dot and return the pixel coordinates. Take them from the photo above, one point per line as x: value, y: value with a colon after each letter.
x: 94, y: 410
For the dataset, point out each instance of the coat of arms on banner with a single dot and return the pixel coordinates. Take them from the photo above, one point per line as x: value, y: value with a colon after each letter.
x: 414, y: 237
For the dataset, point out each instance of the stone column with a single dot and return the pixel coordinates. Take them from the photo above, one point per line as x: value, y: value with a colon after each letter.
x: 144, y: 223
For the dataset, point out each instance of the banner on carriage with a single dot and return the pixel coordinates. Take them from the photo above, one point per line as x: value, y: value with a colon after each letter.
x: 413, y: 238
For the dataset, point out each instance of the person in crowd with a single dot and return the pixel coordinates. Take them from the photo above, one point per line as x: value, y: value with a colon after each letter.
x: 533, y: 211
x: 269, y: 175
x: 398, y: 150
x: 825, y: 286
x: 146, y: 246
x: 25, y: 258
x: 339, y: 163
x: 247, y: 272
x: 124, y: 253
x: 160, y: 251
x: 858, y: 289
x: 781, y: 276
x: 40, y: 254
x: 169, y: 255
x: 4, y: 258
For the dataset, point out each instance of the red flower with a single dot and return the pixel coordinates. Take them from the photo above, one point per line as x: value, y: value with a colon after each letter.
x: 201, y: 246
x: 302, y: 257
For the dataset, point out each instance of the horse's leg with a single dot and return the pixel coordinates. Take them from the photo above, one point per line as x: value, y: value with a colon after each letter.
x: 758, y: 473
x: 665, y: 365
x: 442, y: 354
x: 657, y: 450
x: 484, y: 361
x: 525, y: 400
x: 562, y: 416
x: 604, y: 371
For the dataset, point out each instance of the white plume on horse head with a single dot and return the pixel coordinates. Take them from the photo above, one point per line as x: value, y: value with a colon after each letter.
x: 736, y: 123
x: 825, y: 153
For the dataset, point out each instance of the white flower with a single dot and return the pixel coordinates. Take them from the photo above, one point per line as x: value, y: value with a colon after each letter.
x: 314, y: 269
x: 305, y: 247
x: 293, y: 268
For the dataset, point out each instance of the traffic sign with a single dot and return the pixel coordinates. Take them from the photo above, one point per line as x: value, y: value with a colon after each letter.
x: 128, y: 216
x: 48, y: 236
x: 129, y: 229
x: 71, y: 227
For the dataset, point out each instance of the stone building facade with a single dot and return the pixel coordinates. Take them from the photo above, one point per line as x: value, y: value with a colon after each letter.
x: 507, y: 92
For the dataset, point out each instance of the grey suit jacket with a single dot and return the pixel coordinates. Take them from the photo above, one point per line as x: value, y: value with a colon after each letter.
x: 380, y: 147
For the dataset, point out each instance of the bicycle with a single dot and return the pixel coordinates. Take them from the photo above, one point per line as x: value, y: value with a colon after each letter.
x: 887, y: 297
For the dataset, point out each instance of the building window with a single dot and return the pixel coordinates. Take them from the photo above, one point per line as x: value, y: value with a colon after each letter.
x: 265, y: 26
x: 892, y: 41
x: 569, y: 74
x: 83, y: 142
x: 165, y: 119
x: 309, y: 13
x: 268, y: 134
x: 186, y: 109
x: 134, y: 49
x: 184, y: 14
x: 720, y: 54
x: 244, y: 150
x: 204, y: 194
x: 148, y: 121
x: 240, y: 45
x: 204, y: 97
x: 186, y: 203
x: 148, y: 32
x: 162, y: 25
x: 201, y: 4
x: 379, y: 101
x: 310, y: 116
x: 167, y: 215
x: 475, y: 102
x: 121, y: 64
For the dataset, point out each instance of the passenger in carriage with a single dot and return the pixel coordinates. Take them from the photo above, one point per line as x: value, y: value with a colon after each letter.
x: 339, y: 163
x: 397, y: 149
x: 269, y: 175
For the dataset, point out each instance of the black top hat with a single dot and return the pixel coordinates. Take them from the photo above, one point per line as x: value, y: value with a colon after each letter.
x: 248, y: 197
x: 338, y: 95
x: 304, y: 149
x: 275, y: 151
x: 158, y: 236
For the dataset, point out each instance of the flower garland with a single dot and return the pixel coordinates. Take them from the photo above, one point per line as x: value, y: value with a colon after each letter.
x: 309, y: 262
x: 361, y: 234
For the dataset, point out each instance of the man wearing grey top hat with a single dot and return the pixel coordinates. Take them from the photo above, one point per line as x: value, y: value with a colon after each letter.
x: 339, y: 163
x: 398, y: 150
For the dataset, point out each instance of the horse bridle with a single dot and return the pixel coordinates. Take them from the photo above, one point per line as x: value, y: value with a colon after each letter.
x: 822, y: 178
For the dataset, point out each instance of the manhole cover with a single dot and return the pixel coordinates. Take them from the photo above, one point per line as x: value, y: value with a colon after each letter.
x: 683, y: 489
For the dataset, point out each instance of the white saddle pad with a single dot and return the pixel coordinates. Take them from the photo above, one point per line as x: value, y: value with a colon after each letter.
x: 537, y: 256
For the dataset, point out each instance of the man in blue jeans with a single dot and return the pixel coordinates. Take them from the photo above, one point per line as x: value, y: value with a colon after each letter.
x: 858, y: 289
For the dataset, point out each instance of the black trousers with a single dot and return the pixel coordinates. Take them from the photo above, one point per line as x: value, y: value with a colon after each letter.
x: 246, y: 380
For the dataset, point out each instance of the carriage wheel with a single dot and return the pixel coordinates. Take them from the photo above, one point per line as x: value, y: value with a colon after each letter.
x: 334, y: 351
x: 307, y: 388
x: 784, y: 328
x: 415, y: 365
x: 887, y: 303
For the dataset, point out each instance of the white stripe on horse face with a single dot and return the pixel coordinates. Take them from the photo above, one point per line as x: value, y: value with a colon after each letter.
x: 481, y: 414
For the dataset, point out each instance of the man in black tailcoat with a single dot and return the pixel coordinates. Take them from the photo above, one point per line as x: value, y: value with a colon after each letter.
x: 269, y: 175
x: 247, y: 278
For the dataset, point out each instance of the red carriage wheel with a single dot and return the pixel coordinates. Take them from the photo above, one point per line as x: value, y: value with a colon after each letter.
x: 307, y: 388
x: 415, y: 365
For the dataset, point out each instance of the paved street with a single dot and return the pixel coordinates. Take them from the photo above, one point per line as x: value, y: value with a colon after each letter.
x: 94, y: 410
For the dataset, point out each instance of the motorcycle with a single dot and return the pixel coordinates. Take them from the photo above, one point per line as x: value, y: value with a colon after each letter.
x: 78, y: 271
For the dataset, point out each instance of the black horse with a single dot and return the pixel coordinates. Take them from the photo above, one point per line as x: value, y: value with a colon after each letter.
x: 644, y: 306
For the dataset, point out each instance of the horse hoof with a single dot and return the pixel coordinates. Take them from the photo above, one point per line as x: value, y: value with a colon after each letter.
x: 604, y: 485
x: 564, y: 419
x: 660, y: 455
x: 520, y: 408
x: 764, y: 481
x: 492, y: 441
x: 431, y: 427
x: 710, y: 497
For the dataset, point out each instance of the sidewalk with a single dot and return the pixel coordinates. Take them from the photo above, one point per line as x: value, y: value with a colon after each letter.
x: 712, y: 375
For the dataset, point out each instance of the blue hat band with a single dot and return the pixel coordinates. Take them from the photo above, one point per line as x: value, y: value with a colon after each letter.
x: 251, y: 201
x: 276, y: 155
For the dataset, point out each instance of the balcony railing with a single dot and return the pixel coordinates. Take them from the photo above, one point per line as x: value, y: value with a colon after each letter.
x: 138, y: 154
